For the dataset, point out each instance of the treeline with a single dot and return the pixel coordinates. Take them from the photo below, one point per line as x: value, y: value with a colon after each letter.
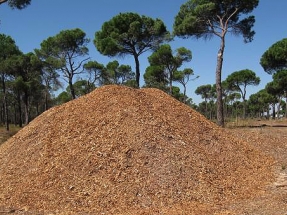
x: 267, y: 103
x: 29, y: 80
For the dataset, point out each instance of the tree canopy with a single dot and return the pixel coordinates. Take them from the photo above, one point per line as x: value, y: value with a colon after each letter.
x: 8, y: 49
x: 19, y: 4
x: 130, y: 34
x: 239, y: 80
x: 64, y: 52
x: 260, y: 101
x: 168, y: 62
x: 275, y: 58
x: 280, y: 80
x: 183, y: 77
x: 206, y: 18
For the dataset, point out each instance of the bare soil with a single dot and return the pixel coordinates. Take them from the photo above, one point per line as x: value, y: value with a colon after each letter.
x: 124, y: 151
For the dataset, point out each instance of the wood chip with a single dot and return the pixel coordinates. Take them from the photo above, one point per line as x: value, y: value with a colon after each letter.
x: 120, y: 150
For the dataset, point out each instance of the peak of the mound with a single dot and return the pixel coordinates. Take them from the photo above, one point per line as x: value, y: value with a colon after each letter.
x: 118, y: 150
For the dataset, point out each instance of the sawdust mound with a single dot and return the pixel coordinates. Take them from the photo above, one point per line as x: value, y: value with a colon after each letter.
x: 120, y: 150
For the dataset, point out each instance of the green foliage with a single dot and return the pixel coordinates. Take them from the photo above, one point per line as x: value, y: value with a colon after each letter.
x: 239, y: 80
x: 64, y: 52
x: 259, y: 102
x: 63, y: 98
x: 280, y: 78
x: 67, y: 45
x: 8, y: 50
x: 177, y: 94
x: 278, y: 88
x: 119, y: 74
x: 131, y: 83
x: 163, y: 65
x: 130, y: 34
x: 19, y: 4
x: 183, y: 76
x: 207, y: 93
x: 155, y: 77
x: 26, y: 70
x: 274, y: 89
x: 164, y: 56
x: 4, y: 135
x: 8, y: 47
x: 205, y: 18
x: 96, y: 72
x: 27, y: 66
x: 204, y: 91
x: 112, y: 73
x: 275, y: 58
x: 82, y: 87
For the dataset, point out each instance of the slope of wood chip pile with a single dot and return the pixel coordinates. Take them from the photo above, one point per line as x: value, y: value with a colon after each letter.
x: 120, y: 150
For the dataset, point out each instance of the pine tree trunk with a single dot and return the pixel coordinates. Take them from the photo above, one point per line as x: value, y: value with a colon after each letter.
x: 72, y: 89
x: 6, y: 117
x: 26, y: 108
x: 170, y: 84
x: 20, y: 110
x: 137, y: 70
x: 220, y: 115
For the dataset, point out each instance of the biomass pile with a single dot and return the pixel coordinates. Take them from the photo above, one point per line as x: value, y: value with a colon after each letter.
x: 120, y: 150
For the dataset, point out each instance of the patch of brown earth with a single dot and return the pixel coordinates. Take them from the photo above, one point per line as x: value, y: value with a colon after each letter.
x: 120, y: 150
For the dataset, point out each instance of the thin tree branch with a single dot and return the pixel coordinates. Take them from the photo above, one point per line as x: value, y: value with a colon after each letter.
x: 80, y: 64
x: 227, y: 20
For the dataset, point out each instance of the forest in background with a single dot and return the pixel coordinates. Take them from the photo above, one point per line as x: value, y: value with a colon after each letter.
x: 30, y: 82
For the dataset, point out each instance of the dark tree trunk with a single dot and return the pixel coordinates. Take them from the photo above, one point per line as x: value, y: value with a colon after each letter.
x: 273, y: 111
x: 170, y: 84
x: 206, y: 108
x: 15, y: 114
x: 184, y: 94
x: 2, y: 114
x: 72, y: 88
x: 5, y: 106
x: 278, y: 108
x: 6, y: 113
x: 220, y: 115
x: 20, y: 110
x: 37, y: 109
x: 244, y: 108
x: 46, y: 107
x: 26, y: 107
x: 136, y: 57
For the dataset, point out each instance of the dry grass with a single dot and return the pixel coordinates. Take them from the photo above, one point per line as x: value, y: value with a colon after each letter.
x: 239, y: 123
x: 5, y: 135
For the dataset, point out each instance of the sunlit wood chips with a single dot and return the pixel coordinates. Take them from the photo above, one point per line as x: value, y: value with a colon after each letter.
x: 120, y: 150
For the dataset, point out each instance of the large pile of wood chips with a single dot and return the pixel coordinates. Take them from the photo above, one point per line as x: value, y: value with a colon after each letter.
x: 120, y: 150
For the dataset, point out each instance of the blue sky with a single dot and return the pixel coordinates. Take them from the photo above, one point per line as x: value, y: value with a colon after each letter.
x: 42, y: 19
